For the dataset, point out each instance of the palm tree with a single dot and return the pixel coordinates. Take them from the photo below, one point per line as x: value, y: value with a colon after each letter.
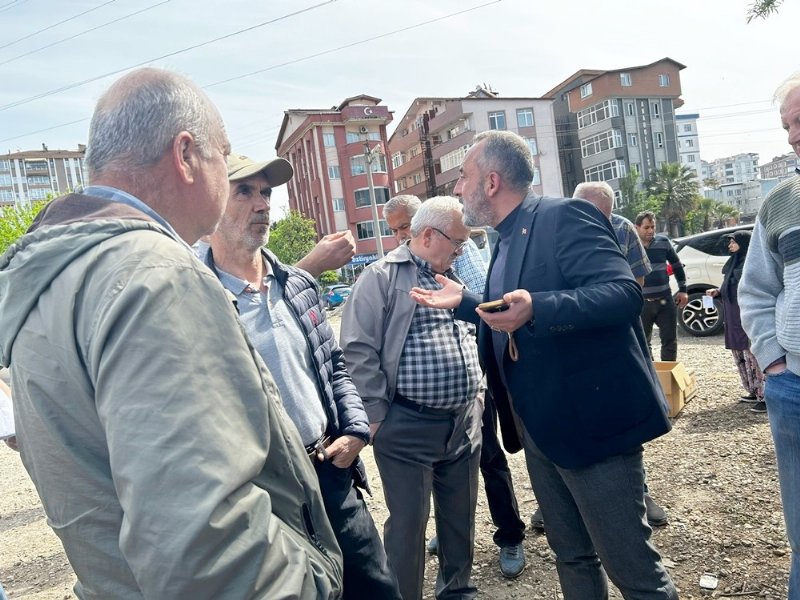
x: 723, y: 212
x: 676, y: 185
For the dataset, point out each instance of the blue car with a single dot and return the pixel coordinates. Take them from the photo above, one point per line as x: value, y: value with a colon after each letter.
x: 335, y: 295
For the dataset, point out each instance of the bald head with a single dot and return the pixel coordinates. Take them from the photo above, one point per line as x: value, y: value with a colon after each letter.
x: 598, y: 193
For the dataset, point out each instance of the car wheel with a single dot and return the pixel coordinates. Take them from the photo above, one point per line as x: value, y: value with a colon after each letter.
x: 699, y: 321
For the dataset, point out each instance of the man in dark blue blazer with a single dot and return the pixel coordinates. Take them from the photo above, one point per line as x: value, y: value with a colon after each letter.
x: 570, y: 354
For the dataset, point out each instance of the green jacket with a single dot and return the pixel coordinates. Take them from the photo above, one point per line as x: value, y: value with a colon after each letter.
x: 153, y: 431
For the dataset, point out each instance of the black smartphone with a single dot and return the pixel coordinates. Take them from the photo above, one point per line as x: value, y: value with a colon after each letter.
x: 493, y: 306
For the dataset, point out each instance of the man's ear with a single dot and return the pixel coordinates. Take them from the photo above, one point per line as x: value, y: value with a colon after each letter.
x: 491, y: 183
x: 185, y: 156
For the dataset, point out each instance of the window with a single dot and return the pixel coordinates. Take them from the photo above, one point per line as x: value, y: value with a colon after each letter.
x: 5, y: 165
x: 358, y: 164
x: 601, y: 142
x: 690, y: 143
x: 365, y: 230
x: 690, y: 158
x: 36, y: 165
x: 656, y: 110
x: 362, y: 197
x: 629, y: 109
x: 328, y: 140
x: 537, y: 178
x: 413, y: 151
x: 687, y: 127
x: 5, y: 179
x: 353, y: 137
x: 38, y: 194
x: 497, y: 120
x: 417, y: 178
x: 663, y: 80
x: 632, y: 141
x: 338, y: 205
x: 659, y: 139
x: 598, y: 112
x: 6, y: 195
x: 453, y: 160
x: 38, y: 180
x: 625, y: 79
x: 397, y: 159
x: 605, y: 172
x: 532, y: 146
x: 334, y: 172
x: 586, y: 90
x: 524, y: 117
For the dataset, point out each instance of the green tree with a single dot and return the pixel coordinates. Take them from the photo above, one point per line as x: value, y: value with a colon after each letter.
x: 292, y: 237
x: 627, y: 187
x: 641, y: 202
x: 328, y: 277
x: 676, y: 186
x: 705, y: 206
x: 761, y: 9
x: 723, y: 212
x: 15, y: 220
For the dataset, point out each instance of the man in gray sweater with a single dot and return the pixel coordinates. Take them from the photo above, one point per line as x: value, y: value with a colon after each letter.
x: 769, y: 298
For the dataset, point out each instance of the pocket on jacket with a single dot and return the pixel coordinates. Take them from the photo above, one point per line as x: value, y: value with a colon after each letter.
x: 609, y: 397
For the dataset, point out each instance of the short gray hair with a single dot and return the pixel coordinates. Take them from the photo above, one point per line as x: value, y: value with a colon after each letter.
x: 438, y: 212
x: 596, y: 192
x: 137, y: 119
x: 509, y: 155
x: 785, y: 88
x: 406, y: 202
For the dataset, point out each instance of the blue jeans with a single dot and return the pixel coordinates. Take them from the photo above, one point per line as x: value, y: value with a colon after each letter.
x: 596, y: 524
x: 782, y: 395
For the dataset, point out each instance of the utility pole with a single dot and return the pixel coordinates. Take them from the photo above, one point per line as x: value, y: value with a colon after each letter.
x: 369, y: 156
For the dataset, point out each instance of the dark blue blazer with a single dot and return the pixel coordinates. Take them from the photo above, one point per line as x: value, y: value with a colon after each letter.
x: 584, y: 386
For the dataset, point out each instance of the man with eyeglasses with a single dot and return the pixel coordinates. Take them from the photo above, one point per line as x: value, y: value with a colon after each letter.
x: 497, y: 481
x: 417, y: 371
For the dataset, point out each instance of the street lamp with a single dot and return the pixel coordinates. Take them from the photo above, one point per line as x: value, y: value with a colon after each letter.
x: 369, y: 156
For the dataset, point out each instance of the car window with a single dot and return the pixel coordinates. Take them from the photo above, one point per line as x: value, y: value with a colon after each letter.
x: 710, y: 244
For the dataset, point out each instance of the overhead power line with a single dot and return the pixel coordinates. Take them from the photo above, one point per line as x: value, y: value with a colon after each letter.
x: 163, y: 56
x: 350, y: 45
x: 30, y: 35
x: 11, y: 5
x: 72, y: 37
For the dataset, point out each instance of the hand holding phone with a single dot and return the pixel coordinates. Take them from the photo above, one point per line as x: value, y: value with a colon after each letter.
x: 493, y: 306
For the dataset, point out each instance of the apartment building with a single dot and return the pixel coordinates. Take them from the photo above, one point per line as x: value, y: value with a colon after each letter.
x: 733, y: 169
x: 609, y: 122
x: 688, y: 141
x: 31, y: 175
x: 781, y: 166
x: 433, y: 136
x: 331, y: 150
x: 746, y: 196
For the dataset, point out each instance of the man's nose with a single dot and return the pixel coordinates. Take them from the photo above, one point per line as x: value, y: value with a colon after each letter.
x: 457, y: 189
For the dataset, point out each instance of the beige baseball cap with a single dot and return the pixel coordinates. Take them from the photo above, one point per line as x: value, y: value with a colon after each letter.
x: 277, y: 171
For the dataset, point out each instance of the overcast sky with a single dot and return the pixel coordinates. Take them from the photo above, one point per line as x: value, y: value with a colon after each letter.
x: 306, y: 54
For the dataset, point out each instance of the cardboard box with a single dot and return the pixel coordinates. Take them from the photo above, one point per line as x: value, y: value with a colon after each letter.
x: 678, y: 383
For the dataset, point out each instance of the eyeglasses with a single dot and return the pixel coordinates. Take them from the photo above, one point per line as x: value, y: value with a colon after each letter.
x: 457, y: 245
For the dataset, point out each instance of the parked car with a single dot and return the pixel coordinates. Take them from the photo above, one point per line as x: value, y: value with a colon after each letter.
x: 335, y: 295
x: 703, y: 256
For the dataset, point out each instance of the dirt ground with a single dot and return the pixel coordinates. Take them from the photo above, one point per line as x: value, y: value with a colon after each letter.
x: 714, y: 473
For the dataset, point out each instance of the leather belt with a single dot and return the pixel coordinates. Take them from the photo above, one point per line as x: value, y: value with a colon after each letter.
x: 659, y: 300
x: 317, y: 449
x: 421, y: 408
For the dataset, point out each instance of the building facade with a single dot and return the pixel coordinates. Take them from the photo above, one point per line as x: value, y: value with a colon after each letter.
x: 734, y: 169
x: 781, y: 166
x: 432, y: 138
x: 688, y: 142
x: 746, y: 196
x: 34, y: 174
x: 610, y: 122
x: 331, y: 150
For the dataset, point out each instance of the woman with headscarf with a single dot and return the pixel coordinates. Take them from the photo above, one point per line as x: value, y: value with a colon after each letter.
x: 735, y: 337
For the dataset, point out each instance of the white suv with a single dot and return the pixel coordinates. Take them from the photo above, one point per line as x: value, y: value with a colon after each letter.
x: 702, y: 256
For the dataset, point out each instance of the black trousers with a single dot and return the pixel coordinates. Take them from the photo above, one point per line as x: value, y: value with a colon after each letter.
x: 366, y: 569
x: 664, y: 313
x: 497, y: 482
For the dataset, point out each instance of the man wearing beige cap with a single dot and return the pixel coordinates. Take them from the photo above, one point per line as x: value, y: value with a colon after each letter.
x: 280, y: 311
